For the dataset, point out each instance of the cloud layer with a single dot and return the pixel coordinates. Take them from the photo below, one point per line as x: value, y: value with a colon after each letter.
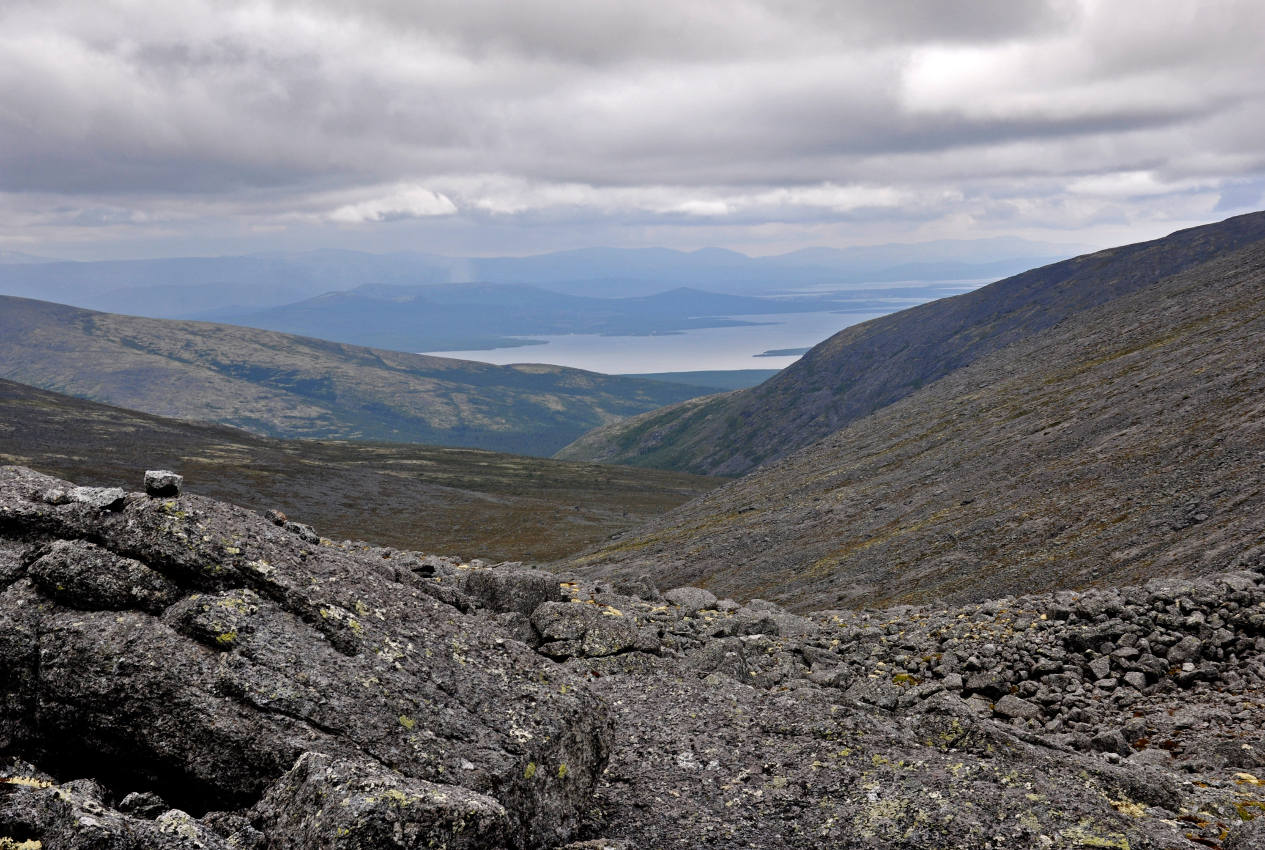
x: 506, y: 125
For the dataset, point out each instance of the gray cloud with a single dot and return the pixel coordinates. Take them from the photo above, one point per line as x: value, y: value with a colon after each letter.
x: 732, y: 118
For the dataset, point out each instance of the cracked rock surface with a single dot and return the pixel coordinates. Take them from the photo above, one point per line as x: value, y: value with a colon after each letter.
x: 194, y: 650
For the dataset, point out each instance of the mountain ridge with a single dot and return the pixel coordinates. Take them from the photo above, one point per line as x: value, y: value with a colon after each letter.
x: 1124, y: 442
x: 867, y: 366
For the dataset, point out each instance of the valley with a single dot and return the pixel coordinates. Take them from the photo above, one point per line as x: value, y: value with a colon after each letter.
x: 440, y: 499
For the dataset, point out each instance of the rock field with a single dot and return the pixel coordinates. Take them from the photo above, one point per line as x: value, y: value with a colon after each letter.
x: 182, y: 673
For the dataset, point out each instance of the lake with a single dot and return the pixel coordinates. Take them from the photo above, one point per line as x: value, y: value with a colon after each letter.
x: 736, y: 347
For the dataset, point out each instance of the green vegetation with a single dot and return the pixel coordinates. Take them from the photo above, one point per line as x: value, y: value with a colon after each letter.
x: 436, y: 499
x: 288, y: 386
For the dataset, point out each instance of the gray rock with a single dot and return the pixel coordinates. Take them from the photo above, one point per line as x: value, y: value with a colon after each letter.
x: 578, y: 629
x: 1185, y: 651
x: 279, y: 647
x: 1111, y: 741
x: 512, y: 589
x: 1249, y: 835
x: 84, y: 575
x: 331, y: 804
x: 1100, y: 667
x: 642, y: 587
x: 1012, y: 706
x: 99, y: 498
x: 163, y: 483
x: 691, y: 600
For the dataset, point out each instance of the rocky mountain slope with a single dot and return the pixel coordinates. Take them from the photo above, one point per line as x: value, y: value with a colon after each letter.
x: 290, y: 386
x: 180, y: 673
x: 868, y: 366
x: 481, y: 504
x: 1124, y: 443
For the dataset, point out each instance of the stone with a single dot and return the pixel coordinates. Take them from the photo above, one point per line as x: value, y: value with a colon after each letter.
x: 691, y: 600
x: 84, y: 575
x: 98, y: 498
x: 1111, y: 741
x: 1135, y: 679
x: 512, y: 589
x: 275, y: 647
x: 163, y: 483
x: 302, y: 530
x: 641, y: 587
x: 578, y: 629
x: 1100, y: 667
x: 1013, y: 706
x: 1185, y: 651
x: 143, y: 804
x: 1248, y: 835
x: 324, y: 803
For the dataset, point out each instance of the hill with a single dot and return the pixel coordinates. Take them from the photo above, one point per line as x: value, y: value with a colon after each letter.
x: 289, y: 386
x: 1125, y: 442
x: 868, y: 366
x: 481, y: 504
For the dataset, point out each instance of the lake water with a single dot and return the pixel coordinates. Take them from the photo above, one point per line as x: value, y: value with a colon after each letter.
x: 703, y: 349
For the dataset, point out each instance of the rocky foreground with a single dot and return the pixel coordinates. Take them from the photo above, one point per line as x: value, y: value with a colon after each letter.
x: 182, y: 673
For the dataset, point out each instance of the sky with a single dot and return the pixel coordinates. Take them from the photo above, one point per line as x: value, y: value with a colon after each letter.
x: 138, y: 128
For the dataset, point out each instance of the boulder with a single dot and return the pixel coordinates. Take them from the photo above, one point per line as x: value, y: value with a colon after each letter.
x: 162, y: 483
x: 324, y: 803
x: 691, y: 600
x: 212, y: 649
x: 583, y: 630
x: 512, y: 589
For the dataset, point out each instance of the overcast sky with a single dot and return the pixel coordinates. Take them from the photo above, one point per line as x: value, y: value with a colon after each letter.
x: 169, y: 127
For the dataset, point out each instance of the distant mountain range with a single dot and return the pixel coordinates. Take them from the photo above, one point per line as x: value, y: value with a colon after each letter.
x: 290, y: 386
x: 191, y: 286
x: 1096, y: 422
x: 865, y: 367
x: 466, y: 316
x: 451, y: 500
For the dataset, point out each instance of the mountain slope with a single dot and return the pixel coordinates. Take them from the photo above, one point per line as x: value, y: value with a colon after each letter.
x: 291, y: 386
x: 865, y: 367
x: 481, y: 504
x: 1124, y: 443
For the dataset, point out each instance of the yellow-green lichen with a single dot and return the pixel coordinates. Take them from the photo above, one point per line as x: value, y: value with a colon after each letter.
x: 407, y: 722
x: 530, y: 771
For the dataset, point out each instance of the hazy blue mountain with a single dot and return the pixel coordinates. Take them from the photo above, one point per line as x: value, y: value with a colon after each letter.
x: 19, y: 258
x: 448, y: 317
x: 188, y: 286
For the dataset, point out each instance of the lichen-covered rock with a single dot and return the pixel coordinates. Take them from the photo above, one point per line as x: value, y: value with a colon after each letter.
x: 74, y: 816
x: 330, y: 804
x: 578, y: 629
x: 272, y: 648
x: 84, y: 575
